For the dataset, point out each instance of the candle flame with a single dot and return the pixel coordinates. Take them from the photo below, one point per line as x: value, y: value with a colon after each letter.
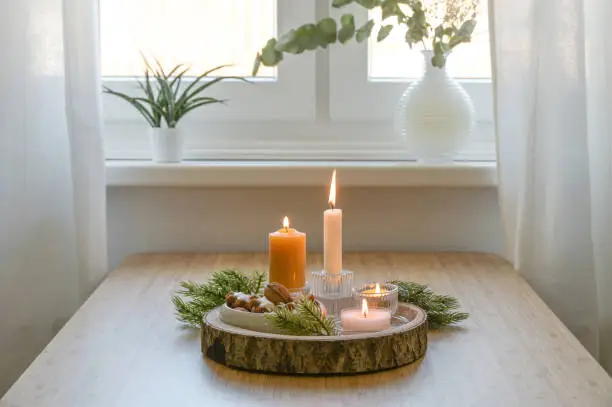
x: 286, y: 222
x: 377, y: 291
x: 364, y: 308
x: 332, y: 191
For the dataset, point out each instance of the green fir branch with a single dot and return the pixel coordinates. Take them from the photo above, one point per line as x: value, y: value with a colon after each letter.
x: 441, y: 310
x: 306, y: 319
x: 192, y: 301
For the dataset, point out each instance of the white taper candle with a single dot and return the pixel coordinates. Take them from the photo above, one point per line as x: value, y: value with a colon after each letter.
x: 332, y: 234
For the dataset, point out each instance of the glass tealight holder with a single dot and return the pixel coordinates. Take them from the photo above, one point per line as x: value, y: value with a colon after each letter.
x: 377, y: 295
x: 334, y: 290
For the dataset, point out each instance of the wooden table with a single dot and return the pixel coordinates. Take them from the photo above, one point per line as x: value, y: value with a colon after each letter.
x: 123, y: 347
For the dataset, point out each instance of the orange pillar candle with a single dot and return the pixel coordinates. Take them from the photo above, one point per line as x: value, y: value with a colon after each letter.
x: 288, y: 257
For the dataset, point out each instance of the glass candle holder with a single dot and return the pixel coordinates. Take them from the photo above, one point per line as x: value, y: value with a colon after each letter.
x: 333, y: 290
x: 377, y: 295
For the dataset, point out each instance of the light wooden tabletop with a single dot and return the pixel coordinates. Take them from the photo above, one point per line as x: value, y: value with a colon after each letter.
x: 124, y: 348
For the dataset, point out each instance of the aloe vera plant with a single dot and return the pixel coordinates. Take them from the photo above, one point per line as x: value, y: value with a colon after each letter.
x: 165, y: 100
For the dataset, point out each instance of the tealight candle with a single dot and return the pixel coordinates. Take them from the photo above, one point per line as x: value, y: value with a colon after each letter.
x: 365, y: 320
x: 288, y: 257
x: 378, y: 295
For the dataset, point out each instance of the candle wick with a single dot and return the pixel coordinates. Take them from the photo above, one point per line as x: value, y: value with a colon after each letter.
x: 331, y: 204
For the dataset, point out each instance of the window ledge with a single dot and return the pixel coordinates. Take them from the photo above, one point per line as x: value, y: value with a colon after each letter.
x: 300, y: 173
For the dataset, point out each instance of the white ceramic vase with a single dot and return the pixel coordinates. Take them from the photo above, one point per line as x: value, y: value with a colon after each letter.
x: 166, y: 145
x: 435, y: 115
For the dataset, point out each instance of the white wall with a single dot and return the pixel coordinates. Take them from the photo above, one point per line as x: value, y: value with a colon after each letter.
x: 238, y: 219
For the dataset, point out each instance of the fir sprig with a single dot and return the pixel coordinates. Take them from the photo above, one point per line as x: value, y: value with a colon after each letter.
x: 441, y: 310
x: 306, y: 319
x: 204, y: 297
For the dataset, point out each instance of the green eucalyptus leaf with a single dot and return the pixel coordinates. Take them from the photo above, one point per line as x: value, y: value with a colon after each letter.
x: 341, y: 3
x: 439, y: 32
x: 467, y: 28
x: 414, y: 36
x: 347, y: 29
x: 307, y: 37
x: 438, y: 60
x: 369, y: 4
x: 384, y: 32
x: 287, y: 42
x: 364, y: 32
x: 390, y: 8
x: 458, y: 39
x: 327, y: 31
x: 270, y: 56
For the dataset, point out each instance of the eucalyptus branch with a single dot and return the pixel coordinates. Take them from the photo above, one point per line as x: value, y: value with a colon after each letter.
x: 453, y: 28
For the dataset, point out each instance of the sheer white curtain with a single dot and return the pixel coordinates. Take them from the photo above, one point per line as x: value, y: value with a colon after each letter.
x: 52, y: 190
x: 552, y: 62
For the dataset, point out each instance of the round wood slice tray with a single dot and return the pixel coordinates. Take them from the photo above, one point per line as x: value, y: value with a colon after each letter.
x: 402, y: 344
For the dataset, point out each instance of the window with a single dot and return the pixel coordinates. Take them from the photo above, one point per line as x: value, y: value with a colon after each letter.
x: 205, y: 34
x: 185, y: 30
x: 335, y: 104
x: 391, y: 59
x: 380, y: 72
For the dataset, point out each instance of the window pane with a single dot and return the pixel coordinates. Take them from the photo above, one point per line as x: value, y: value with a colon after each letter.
x: 203, y: 33
x: 393, y: 58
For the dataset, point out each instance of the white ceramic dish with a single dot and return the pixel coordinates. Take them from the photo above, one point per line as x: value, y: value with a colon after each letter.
x: 247, y: 320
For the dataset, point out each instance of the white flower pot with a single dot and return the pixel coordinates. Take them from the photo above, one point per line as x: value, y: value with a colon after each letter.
x: 166, y: 145
x: 435, y: 115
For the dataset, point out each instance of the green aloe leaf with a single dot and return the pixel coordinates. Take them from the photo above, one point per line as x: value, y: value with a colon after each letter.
x: 136, y: 104
x: 200, y: 77
x: 161, y: 99
x: 175, y: 69
x: 154, y: 107
x: 200, y: 104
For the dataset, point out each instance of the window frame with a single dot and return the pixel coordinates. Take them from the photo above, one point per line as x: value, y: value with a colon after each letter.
x: 289, y: 96
x: 318, y: 118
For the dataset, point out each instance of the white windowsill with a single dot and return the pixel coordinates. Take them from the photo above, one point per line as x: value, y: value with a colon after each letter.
x: 300, y: 173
